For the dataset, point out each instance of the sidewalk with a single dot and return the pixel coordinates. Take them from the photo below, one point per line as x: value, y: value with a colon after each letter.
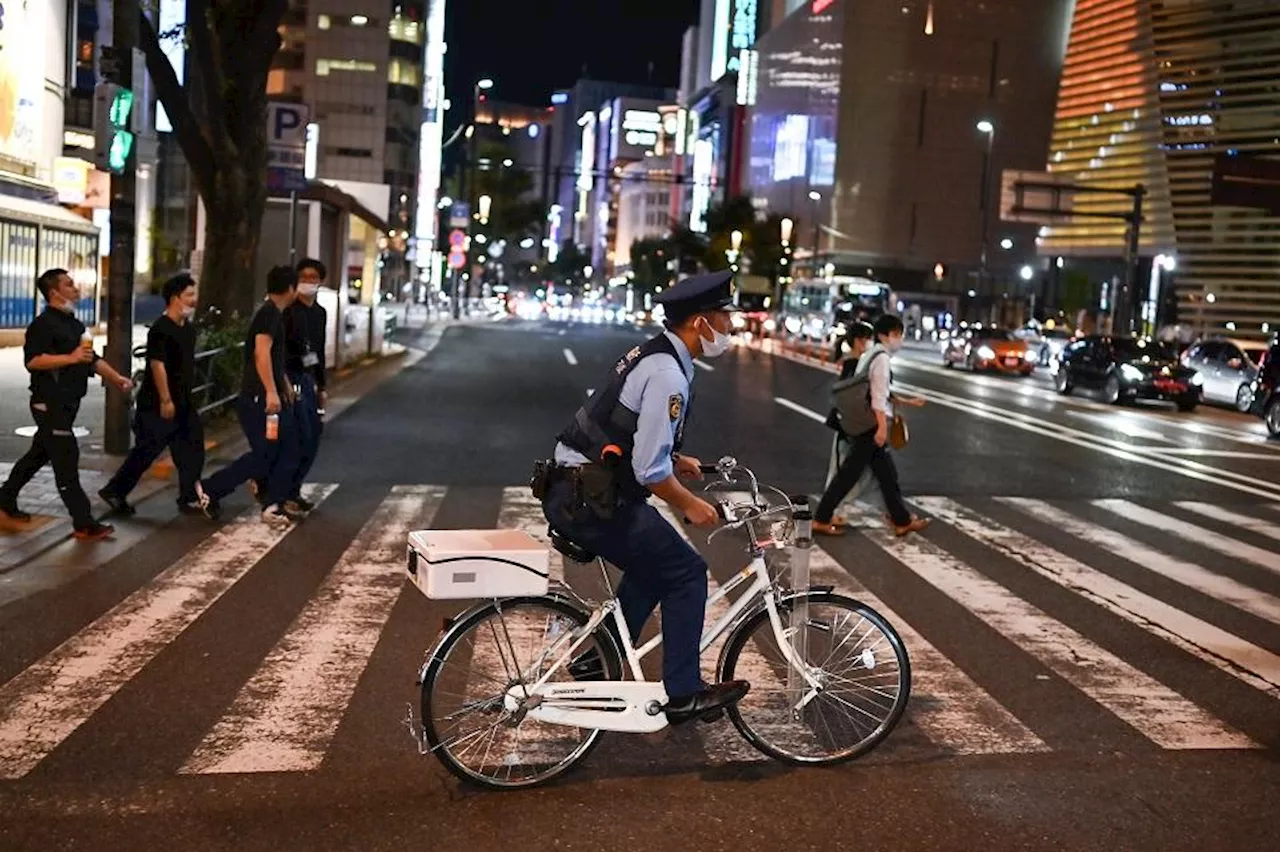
x: 51, y: 524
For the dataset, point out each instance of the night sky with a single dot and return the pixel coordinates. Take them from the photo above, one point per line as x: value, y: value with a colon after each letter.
x: 530, y: 47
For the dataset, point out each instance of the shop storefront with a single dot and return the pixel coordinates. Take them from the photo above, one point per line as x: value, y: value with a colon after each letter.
x: 35, y: 236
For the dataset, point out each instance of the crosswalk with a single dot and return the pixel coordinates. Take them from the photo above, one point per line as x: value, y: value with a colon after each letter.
x: 1160, y: 622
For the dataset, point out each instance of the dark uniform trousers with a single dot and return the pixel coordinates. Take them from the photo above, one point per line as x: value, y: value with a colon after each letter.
x: 183, y: 436
x: 273, y: 462
x: 658, y: 566
x: 310, y: 427
x: 54, y: 444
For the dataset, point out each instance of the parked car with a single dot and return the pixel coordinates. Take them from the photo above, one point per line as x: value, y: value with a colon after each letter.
x: 1266, y: 389
x: 1228, y: 369
x: 989, y: 349
x: 1125, y: 369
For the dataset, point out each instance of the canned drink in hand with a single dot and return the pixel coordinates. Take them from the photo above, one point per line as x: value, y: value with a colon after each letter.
x: 273, y: 427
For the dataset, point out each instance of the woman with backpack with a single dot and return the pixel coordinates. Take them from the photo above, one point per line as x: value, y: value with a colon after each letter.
x: 864, y: 403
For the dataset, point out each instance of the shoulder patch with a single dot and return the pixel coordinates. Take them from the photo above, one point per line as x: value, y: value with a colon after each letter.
x: 674, y: 405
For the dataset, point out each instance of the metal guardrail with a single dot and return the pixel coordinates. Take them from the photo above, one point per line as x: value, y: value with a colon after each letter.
x: 205, y: 376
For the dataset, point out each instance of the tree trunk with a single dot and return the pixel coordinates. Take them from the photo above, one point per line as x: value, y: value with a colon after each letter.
x: 228, y: 278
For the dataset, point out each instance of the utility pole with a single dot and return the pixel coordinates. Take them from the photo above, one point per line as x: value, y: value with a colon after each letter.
x: 116, y: 433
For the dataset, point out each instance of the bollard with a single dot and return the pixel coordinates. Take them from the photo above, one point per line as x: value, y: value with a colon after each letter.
x: 802, y: 517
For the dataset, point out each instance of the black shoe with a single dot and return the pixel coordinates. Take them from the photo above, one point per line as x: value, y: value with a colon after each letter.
x: 12, y: 510
x: 588, y: 666
x: 119, y: 505
x: 707, y: 704
x: 94, y: 532
x: 211, y: 507
x: 190, y: 507
x: 302, y: 503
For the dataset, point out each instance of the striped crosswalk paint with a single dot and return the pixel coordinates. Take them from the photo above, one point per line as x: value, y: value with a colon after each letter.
x: 522, y: 511
x: 1153, y: 709
x: 955, y: 713
x: 1193, y: 533
x: 47, y: 702
x: 1227, y: 516
x: 286, y: 715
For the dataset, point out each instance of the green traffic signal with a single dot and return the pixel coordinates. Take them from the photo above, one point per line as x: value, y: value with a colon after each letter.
x: 121, y: 105
x: 121, y: 145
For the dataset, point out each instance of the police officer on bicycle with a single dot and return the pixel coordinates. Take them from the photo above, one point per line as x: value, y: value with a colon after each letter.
x: 622, y: 446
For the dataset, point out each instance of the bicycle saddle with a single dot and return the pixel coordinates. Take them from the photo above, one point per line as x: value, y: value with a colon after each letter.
x: 569, y: 548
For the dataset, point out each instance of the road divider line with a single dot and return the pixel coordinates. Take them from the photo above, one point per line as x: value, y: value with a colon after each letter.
x: 800, y: 409
x: 47, y: 702
x: 1267, y: 559
x: 285, y: 717
x: 570, y: 357
x: 590, y: 391
x: 698, y: 362
x: 1245, y: 522
x: 947, y: 705
x: 1255, y: 666
x: 1152, y: 709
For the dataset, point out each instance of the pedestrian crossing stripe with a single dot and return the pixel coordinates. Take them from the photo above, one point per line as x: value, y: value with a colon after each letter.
x: 286, y: 715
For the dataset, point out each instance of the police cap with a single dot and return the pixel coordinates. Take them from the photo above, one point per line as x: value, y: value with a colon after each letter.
x: 697, y: 294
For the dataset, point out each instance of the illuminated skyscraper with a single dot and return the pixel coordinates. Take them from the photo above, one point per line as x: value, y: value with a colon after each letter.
x: 1157, y: 92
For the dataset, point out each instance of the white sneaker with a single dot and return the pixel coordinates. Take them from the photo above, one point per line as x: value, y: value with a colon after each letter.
x: 276, y: 516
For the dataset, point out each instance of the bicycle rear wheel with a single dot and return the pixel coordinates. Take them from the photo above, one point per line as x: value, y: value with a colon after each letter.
x: 857, y: 657
x: 491, y: 650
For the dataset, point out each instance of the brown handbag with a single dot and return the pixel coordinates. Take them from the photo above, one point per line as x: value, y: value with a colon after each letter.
x: 898, y: 433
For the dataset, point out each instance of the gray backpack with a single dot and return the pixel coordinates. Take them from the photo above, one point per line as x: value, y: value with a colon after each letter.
x: 852, y: 399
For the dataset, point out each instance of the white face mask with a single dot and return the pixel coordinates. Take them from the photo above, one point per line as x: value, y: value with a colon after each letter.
x: 717, y: 345
x: 893, y: 344
x: 308, y: 290
x: 189, y: 312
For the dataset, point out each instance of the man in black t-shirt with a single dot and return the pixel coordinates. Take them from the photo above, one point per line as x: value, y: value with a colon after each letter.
x: 58, y: 353
x: 264, y: 394
x: 304, y: 324
x: 166, y: 413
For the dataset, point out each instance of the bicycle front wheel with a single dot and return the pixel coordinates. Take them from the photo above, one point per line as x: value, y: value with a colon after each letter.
x: 495, y: 648
x: 857, y: 658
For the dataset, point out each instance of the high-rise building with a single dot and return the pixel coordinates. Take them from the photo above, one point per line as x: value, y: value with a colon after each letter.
x: 865, y: 132
x: 1167, y: 94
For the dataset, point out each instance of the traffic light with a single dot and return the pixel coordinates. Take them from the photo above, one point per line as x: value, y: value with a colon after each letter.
x: 113, y: 141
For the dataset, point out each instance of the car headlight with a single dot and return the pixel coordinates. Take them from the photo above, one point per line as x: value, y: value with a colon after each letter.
x: 770, y: 325
x: 1029, y: 356
x: 1130, y: 373
x: 986, y: 353
x: 1197, y: 380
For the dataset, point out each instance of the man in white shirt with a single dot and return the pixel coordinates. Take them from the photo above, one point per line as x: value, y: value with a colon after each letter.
x: 871, y: 447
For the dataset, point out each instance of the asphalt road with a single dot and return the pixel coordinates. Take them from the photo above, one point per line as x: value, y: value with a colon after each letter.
x: 1093, y: 619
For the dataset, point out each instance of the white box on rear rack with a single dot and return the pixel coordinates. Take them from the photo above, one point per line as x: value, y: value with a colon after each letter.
x: 455, y: 564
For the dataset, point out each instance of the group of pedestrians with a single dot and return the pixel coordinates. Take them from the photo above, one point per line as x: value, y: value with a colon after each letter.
x: 280, y: 406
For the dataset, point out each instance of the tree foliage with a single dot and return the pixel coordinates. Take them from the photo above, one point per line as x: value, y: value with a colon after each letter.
x: 219, y: 117
x: 569, y: 266
x: 513, y: 214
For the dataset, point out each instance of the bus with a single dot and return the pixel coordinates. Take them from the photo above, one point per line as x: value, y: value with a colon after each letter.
x: 822, y: 309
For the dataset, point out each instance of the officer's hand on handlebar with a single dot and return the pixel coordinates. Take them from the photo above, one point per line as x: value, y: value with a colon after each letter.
x: 700, y: 513
x: 688, y: 467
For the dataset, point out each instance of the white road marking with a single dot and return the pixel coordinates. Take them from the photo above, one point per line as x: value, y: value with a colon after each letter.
x: 800, y: 409
x: 590, y: 391
x: 1197, y: 452
x: 522, y: 511
x: 1268, y: 559
x: 1255, y: 666
x: 285, y: 717
x: 47, y: 702
x: 947, y: 705
x: 561, y: 332
x: 704, y: 365
x: 1192, y: 576
x: 1153, y: 709
x: 1121, y: 424
x: 570, y: 357
x: 1245, y: 522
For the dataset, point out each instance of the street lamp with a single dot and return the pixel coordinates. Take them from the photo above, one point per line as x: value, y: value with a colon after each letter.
x: 785, y: 228
x: 484, y: 84
x: 985, y: 126
x: 735, y: 244
x: 815, y: 197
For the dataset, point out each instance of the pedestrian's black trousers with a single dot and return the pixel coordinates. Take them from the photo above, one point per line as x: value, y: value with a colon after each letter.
x: 184, y: 438
x: 863, y: 451
x: 54, y: 444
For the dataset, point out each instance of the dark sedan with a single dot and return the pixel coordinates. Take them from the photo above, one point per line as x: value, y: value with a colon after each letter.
x: 1125, y: 369
x: 1266, y: 389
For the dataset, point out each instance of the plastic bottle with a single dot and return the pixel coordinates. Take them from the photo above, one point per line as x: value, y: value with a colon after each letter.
x: 273, y: 427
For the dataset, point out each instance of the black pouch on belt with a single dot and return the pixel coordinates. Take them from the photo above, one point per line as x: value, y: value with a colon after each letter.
x: 540, y: 482
x: 599, y: 489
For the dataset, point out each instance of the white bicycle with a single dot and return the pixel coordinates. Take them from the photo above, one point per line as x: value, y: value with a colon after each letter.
x: 519, y: 688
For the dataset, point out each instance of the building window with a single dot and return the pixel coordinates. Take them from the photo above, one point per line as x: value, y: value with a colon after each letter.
x: 404, y: 29
x: 325, y: 66
x: 324, y: 22
x: 404, y: 73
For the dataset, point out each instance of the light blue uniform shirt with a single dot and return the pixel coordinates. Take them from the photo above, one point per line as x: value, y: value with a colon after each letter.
x: 657, y: 386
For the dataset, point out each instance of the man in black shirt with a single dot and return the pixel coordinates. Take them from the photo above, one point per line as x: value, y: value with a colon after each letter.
x: 304, y: 323
x: 59, y: 355
x: 266, y: 411
x: 166, y: 415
